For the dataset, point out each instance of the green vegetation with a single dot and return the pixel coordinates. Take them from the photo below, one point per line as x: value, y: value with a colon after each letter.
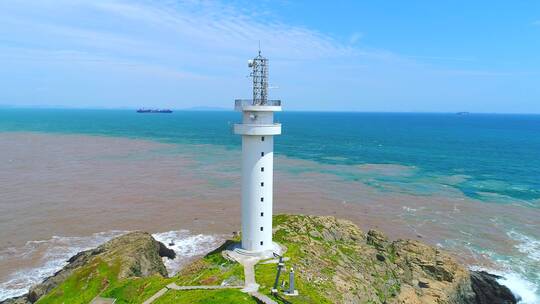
x: 135, y: 290
x: 265, y: 276
x: 212, y: 269
x: 84, y: 284
x: 223, y: 296
x: 100, y: 278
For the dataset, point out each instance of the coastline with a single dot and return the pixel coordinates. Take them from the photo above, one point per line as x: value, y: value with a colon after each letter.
x: 401, y: 271
x: 126, y: 184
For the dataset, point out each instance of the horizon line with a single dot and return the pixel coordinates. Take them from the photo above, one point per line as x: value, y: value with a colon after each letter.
x: 220, y: 109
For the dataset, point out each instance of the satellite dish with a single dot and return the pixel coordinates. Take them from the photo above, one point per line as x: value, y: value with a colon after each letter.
x: 250, y: 63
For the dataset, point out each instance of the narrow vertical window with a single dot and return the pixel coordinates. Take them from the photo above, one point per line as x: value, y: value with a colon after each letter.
x: 262, y: 153
x: 261, y: 243
x: 262, y: 138
x: 262, y: 229
x: 262, y: 184
x: 262, y: 169
x: 262, y: 199
x: 262, y: 213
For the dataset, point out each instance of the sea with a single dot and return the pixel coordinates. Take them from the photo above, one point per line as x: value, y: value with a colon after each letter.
x: 468, y: 183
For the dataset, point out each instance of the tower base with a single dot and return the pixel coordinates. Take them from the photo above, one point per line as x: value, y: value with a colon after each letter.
x: 235, y: 251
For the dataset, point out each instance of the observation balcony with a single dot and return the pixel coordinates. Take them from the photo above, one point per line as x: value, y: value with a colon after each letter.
x: 247, y: 105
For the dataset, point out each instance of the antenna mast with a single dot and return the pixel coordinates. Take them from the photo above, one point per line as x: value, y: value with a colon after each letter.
x: 259, y: 74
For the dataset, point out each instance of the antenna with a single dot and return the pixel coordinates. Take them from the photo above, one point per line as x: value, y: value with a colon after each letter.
x: 259, y: 73
x: 259, y: 47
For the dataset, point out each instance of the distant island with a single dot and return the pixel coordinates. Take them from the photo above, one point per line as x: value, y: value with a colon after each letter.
x: 334, y: 262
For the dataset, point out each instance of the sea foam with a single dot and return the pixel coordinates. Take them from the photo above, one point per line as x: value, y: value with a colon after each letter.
x: 186, y: 246
x: 526, y: 245
x: 524, y: 290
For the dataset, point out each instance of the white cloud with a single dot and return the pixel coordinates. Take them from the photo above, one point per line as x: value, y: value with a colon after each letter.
x: 210, y: 25
x: 189, y: 36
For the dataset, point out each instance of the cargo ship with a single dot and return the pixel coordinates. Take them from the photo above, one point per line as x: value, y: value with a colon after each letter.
x: 142, y: 110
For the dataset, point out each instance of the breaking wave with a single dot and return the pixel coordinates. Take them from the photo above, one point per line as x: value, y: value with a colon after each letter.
x: 186, y: 246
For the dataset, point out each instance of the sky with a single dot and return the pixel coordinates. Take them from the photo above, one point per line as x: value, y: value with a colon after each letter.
x: 382, y: 56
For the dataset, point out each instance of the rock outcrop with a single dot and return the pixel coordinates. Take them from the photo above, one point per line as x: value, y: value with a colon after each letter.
x: 488, y: 291
x: 349, y: 266
x: 136, y: 254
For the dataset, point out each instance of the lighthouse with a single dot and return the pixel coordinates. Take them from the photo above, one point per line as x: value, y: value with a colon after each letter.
x: 257, y: 130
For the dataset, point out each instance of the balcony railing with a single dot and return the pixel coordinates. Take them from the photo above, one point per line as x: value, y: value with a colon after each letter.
x: 249, y: 102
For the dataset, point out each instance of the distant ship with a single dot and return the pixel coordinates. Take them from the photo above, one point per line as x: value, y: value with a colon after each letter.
x: 462, y: 113
x: 142, y: 110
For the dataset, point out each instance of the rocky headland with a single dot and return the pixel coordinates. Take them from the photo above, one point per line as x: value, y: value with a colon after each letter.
x: 335, y: 262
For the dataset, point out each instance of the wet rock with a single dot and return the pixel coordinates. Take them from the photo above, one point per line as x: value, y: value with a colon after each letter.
x: 489, y: 291
x: 166, y: 252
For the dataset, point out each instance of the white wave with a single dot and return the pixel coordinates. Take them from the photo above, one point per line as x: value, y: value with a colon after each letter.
x: 524, y: 290
x: 51, y: 255
x: 526, y: 245
x: 408, y: 209
x: 185, y: 246
x: 519, y: 286
x: 519, y: 269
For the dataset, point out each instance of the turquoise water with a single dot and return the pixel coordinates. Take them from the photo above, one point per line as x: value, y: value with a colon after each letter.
x: 498, y: 156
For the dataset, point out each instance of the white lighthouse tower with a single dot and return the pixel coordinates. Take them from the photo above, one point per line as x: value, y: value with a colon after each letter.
x: 257, y: 130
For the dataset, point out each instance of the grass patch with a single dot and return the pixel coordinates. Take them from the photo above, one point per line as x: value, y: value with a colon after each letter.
x: 222, y: 296
x: 85, y: 283
x: 212, y: 269
x: 136, y: 290
x: 265, y: 275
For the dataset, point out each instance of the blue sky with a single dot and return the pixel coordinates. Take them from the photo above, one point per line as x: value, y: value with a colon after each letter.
x: 424, y: 56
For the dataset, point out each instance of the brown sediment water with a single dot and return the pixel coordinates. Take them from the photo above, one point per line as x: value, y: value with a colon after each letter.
x: 75, y: 185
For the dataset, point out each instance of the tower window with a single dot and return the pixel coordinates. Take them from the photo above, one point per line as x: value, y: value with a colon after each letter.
x: 262, y: 184
x: 262, y: 138
x: 262, y: 153
x: 261, y: 243
x: 262, y: 169
x: 262, y: 229
x: 262, y: 199
x: 262, y: 213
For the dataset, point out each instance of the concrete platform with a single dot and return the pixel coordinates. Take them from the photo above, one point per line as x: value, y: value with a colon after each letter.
x: 236, y: 252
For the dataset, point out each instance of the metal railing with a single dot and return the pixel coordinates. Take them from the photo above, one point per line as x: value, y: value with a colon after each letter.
x: 249, y: 102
